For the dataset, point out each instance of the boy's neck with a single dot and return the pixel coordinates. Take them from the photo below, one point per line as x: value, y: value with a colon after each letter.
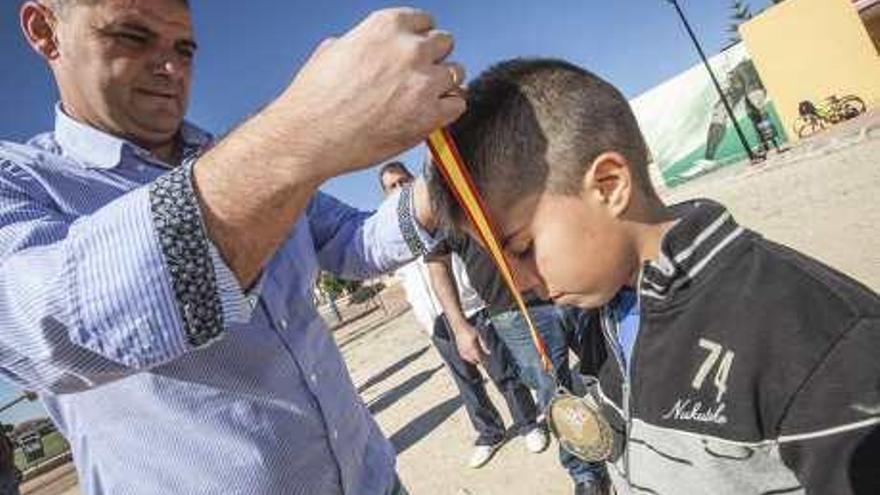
x: 654, y: 221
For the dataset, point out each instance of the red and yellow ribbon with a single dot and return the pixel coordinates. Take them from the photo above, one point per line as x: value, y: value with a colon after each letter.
x: 452, y: 167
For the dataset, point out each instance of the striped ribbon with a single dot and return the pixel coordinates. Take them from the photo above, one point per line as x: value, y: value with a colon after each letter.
x: 448, y: 160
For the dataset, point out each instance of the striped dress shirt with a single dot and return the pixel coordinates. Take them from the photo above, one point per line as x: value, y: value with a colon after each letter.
x: 164, y: 374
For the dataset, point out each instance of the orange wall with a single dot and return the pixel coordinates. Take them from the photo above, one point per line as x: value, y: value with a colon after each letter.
x: 811, y: 49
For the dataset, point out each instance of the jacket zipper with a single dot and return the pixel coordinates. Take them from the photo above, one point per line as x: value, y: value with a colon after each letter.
x: 610, y: 319
x: 626, y: 387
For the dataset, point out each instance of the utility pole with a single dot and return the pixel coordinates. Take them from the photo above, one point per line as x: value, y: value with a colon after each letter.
x: 727, y: 107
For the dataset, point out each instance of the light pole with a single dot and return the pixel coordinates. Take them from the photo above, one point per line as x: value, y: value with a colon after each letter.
x: 26, y: 395
x: 727, y: 107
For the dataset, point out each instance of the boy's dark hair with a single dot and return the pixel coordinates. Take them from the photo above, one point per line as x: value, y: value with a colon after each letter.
x: 537, y: 124
x: 388, y: 167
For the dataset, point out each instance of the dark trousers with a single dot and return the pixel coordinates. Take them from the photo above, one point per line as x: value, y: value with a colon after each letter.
x: 501, y: 369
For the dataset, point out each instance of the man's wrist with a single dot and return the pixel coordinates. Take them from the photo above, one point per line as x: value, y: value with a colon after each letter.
x: 288, y: 146
x: 460, y: 325
x: 422, y: 204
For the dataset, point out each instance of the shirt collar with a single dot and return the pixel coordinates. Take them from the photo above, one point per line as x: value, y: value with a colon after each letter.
x: 704, y: 229
x: 94, y: 148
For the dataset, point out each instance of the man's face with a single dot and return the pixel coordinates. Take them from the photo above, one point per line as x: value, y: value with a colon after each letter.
x: 394, y: 178
x: 124, y: 66
x: 568, y: 248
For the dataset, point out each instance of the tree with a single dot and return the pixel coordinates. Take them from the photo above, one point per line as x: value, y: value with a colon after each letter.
x: 334, y: 286
x: 741, y: 12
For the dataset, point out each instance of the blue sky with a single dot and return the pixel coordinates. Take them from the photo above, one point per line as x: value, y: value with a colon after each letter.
x: 250, y: 50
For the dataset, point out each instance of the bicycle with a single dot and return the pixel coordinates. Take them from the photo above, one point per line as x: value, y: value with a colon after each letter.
x: 832, y: 110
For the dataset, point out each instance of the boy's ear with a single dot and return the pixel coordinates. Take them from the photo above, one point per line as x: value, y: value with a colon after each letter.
x: 609, y: 181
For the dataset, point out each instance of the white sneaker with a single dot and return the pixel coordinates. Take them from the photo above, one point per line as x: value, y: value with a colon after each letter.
x: 536, y: 440
x: 481, y: 455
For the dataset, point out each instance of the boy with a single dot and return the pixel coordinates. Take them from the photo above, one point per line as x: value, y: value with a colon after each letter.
x: 727, y: 363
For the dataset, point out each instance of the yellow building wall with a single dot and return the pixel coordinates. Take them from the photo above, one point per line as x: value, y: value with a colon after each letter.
x: 809, y: 50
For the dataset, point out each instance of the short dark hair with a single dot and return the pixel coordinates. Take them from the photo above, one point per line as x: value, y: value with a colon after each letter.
x: 392, y: 166
x: 537, y: 124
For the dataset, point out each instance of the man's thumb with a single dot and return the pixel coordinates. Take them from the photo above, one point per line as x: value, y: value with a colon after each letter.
x: 483, y: 346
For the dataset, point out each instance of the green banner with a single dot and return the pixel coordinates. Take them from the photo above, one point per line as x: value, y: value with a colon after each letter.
x: 687, y: 127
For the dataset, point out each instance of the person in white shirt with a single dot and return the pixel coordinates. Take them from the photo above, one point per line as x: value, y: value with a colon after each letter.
x: 499, y: 364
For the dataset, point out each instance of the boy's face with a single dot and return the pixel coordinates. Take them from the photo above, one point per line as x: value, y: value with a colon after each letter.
x: 575, y: 249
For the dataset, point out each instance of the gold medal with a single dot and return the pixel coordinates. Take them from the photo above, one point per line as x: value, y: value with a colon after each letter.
x: 579, y: 426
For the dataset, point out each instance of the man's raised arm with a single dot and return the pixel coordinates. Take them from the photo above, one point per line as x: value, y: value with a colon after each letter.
x: 368, y: 95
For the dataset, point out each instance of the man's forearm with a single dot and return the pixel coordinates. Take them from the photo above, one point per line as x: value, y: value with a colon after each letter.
x: 446, y: 290
x: 251, y: 191
x: 377, y: 90
x: 422, y: 202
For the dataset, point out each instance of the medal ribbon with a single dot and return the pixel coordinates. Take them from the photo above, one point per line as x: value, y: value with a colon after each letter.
x: 448, y: 160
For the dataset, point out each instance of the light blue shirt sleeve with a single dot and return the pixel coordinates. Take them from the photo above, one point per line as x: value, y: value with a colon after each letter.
x: 86, y: 300
x: 356, y: 244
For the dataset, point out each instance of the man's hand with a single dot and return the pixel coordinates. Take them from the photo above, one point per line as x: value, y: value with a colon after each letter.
x: 470, y: 346
x: 376, y: 91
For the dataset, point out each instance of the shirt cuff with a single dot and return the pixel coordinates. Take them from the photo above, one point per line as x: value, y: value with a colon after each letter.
x: 234, y: 301
x: 419, y: 240
x: 186, y: 250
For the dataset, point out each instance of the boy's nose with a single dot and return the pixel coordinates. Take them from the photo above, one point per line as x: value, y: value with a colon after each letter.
x: 527, y: 278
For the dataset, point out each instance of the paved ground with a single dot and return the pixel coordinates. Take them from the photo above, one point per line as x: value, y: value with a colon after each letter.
x: 405, y: 384
x: 60, y: 481
x: 820, y: 197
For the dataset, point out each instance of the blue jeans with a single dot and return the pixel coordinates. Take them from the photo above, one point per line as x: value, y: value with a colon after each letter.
x: 550, y: 321
x: 501, y: 368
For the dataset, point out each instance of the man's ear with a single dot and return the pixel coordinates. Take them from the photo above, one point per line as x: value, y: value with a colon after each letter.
x: 609, y: 181
x: 38, y: 23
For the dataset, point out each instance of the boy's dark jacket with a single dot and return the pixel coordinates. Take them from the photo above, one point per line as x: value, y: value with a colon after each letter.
x: 756, y: 370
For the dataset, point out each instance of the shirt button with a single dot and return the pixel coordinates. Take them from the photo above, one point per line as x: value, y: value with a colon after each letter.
x: 335, y: 434
x: 283, y: 324
x: 252, y: 300
x: 314, y: 378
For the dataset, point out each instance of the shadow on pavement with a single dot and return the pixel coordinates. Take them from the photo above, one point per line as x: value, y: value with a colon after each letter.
x: 394, y: 368
x: 385, y: 400
x: 418, y: 428
x: 363, y: 332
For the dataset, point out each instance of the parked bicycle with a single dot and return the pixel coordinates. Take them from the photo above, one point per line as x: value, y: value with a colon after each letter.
x: 814, y: 118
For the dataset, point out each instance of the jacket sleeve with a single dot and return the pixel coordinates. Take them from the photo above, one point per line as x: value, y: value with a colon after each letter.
x: 356, y: 244
x: 830, y: 433
x: 89, y: 299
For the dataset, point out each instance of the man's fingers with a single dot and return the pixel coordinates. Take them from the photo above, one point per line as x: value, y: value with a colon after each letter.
x: 325, y: 44
x: 456, y: 73
x: 436, y: 45
x: 413, y: 20
x: 450, y: 107
x: 469, y: 355
x: 447, y: 78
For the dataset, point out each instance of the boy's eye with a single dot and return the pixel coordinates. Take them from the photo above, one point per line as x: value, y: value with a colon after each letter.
x: 522, y: 252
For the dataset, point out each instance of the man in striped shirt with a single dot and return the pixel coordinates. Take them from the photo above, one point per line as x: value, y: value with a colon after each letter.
x: 155, y: 287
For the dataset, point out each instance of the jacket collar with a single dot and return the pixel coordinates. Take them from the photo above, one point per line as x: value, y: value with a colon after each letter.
x: 94, y: 148
x: 705, y: 228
